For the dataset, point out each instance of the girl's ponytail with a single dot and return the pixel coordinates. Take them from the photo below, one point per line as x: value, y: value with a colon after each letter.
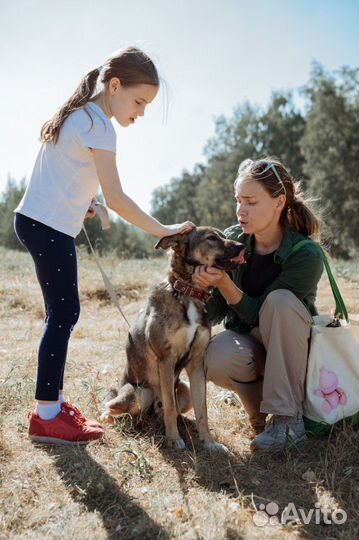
x: 51, y: 129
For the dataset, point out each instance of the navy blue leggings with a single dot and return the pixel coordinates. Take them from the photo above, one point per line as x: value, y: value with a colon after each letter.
x: 54, y: 255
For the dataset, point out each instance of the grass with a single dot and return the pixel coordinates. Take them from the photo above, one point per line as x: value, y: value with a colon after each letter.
x: 130, y: 485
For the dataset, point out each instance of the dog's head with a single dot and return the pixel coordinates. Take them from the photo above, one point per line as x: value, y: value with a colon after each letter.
x: 203, y: 246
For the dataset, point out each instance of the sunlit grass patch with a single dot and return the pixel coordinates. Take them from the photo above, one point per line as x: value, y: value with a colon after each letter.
x: 130, y: 485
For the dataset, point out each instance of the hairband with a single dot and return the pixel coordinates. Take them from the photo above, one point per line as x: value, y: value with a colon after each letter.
x: 271, y: 165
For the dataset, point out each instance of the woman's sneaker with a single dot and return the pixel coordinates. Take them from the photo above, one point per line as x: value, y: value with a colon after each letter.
x: 280, y: 431
x: 68, y: 407
x: 65, y: 428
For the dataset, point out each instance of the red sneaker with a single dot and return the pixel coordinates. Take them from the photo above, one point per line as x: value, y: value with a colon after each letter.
x: 69, y: 407
x: 65, y: 428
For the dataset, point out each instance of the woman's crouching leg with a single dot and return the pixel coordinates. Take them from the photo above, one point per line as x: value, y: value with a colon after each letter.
x: 285, y: 329
x: 231, y: 362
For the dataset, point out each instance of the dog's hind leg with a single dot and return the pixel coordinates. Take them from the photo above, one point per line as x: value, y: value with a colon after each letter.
x: 131, y: 399
x: 167, y: 381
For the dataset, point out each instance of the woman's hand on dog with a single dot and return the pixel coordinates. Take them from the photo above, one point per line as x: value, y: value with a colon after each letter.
x: 208, y: 276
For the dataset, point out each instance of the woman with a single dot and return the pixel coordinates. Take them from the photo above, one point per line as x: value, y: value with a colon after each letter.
x: 266, y: 304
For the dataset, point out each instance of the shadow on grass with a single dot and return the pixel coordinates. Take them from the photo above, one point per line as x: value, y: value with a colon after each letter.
x: 90, y: 484
x: 256, y: 479
x: 185, y: 462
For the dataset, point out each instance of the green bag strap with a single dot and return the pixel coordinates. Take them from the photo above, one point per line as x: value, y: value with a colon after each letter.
x: 340, y: 309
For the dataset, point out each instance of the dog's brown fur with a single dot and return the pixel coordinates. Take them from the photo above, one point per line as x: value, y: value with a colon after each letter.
x: 170, y: 334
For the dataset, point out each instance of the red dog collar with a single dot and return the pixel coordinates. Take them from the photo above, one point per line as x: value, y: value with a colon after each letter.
x: 187, y: 289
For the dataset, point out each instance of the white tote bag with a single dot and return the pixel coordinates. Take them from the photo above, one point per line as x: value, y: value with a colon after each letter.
x: 332, y: 382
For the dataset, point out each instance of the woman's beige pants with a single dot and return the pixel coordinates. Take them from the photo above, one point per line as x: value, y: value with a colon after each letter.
x: 267, y: 367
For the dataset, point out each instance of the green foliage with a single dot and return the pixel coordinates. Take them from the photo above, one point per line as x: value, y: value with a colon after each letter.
x: 10, y: 198
x: 175, y: 202
x: 320, y: 146
x: 235, y: 139
x: 283, y: 127
x: 129, y: 242
x: 250, y: 132
x: 122, y: 238
x: 331, y: 149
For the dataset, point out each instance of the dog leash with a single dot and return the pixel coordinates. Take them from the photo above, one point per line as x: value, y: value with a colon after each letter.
x: 102, y: 213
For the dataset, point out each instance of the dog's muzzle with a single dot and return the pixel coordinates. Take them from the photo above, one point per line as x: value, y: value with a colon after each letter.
x: 225, y: 263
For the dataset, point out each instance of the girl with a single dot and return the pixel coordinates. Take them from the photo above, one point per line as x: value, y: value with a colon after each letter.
x: 78, y: 154
x: 266, y: 303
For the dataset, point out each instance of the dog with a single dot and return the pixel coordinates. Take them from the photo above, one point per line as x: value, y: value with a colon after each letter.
x: 172, y: 333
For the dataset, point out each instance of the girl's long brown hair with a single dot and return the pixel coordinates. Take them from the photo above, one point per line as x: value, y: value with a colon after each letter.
x: 296, y: 214
x: 132, y: 66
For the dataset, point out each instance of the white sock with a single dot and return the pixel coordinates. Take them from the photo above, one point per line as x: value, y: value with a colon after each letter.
x: 49, y: 411
x: 61, y: 398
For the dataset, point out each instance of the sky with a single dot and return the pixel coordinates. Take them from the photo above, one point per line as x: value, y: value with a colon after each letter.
x: 212, y: 55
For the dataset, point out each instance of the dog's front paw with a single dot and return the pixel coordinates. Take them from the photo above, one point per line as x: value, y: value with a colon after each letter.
x: 216, y: 447
x: 177, y: 444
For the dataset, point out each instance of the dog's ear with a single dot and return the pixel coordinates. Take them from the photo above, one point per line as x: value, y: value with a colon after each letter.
x: 174, y: 241
x: 221, y: 234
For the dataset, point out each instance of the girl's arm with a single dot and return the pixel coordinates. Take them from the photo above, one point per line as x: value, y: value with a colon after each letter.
x: 123, y: 205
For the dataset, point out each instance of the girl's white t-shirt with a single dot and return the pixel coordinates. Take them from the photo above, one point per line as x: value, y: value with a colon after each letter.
x: 64, y: 179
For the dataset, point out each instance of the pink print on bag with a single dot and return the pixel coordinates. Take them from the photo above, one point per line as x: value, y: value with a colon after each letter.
x: 330, y: 391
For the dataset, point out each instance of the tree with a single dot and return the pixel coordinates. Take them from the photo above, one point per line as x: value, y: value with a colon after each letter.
x: 129, y: 242
x: 206, y: 196
x: 235, y: 139
x: 10, y: 198
x: 176, y: 201
x: 122, y: 237
x: 282, y: 128
x: 319, y: 146
x: 330, y: 147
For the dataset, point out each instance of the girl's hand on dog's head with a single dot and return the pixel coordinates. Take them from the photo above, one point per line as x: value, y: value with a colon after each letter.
x: 180, y: 228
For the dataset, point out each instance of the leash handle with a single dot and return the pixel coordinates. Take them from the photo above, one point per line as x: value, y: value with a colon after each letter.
x: 102, y: 213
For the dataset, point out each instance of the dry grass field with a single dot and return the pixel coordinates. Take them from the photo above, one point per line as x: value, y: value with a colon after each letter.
x: 129, y: 485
